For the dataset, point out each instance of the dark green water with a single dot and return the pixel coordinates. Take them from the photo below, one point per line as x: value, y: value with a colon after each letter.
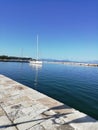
x: 76, y: 86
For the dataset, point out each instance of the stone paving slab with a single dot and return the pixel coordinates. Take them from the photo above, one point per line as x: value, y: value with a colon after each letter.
x: 22, y: 108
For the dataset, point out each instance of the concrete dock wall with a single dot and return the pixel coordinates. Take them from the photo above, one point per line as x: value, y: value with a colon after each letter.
x: 22, y: 108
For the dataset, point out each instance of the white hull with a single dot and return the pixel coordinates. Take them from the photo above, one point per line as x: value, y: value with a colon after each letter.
x: 36, y: 62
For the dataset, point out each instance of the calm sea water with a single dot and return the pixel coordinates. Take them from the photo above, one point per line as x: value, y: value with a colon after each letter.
x: 76, y: 86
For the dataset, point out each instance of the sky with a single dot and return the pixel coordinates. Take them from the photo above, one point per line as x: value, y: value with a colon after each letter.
x: 67, y: 29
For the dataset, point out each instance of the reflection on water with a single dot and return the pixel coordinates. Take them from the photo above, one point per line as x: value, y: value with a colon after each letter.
x: 36, y: 67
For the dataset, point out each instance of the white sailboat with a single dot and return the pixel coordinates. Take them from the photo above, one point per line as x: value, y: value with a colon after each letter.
x: 37, y: 61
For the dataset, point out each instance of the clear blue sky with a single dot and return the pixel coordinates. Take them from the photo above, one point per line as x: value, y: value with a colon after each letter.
x: 67, y: 29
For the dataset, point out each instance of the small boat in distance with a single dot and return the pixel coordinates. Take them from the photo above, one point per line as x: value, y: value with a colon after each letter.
x: 37, y: 61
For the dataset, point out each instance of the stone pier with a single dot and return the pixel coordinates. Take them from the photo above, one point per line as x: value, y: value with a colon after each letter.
x: 22, y: 108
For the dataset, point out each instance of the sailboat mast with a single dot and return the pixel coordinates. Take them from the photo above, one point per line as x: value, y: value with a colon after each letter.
x: 37, y: 47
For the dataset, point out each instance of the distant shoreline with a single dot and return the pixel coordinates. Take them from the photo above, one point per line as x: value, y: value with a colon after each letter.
x: 74, y: 63
x: 52, y: 62
x: 23, y: 59
x: 14, y: 59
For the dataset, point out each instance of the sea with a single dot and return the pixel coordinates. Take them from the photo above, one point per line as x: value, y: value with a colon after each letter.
x: 73, y: 85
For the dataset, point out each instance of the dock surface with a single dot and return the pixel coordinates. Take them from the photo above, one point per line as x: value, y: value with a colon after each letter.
x: 22, y: 108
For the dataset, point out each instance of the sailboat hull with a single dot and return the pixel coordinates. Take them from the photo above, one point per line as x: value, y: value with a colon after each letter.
x: 36, y: 62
